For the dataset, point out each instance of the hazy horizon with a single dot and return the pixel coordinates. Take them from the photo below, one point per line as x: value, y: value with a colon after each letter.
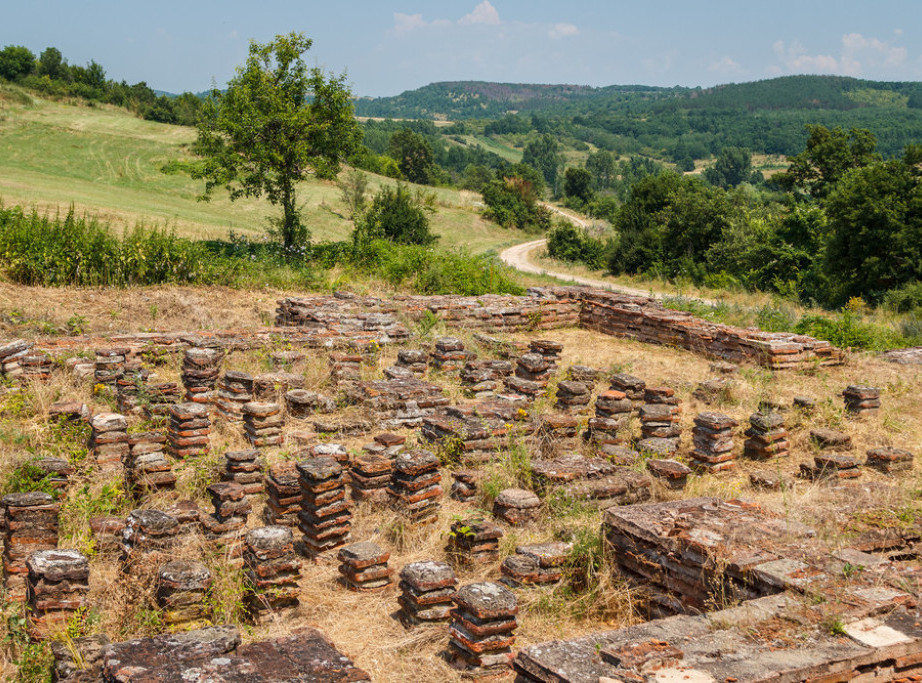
x: 388, y: 48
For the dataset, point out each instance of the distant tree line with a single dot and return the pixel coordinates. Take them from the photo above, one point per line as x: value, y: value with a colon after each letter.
x: 51, y: 75
x: 841, y: 222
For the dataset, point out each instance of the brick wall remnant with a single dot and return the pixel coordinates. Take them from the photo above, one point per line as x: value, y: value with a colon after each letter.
x: 481, y: 631
x: 262, y: 424
x: 57, y: 586
x: 272, y: 570
x: 246, y: 468
x: 189, y: 429
x: 30, y: 524
x: 712, y: 441
x: 325, y: 519
x: 182, y: 587
x: 363, y: 567
x: 426, y: 593
x: 861, y: 400
x: 283, y: 499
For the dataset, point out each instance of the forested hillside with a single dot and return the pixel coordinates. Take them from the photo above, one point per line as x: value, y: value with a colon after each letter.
x: 678, y: 123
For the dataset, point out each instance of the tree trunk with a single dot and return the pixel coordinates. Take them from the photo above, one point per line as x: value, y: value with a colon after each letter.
x: 290, y: 216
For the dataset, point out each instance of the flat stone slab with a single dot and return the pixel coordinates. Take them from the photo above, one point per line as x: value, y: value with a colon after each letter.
x: 487, y: 600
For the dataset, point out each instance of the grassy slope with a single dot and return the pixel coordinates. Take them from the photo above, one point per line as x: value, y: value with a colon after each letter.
x: 107, y: 162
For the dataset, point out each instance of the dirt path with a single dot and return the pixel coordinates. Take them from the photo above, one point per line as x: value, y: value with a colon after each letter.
x: 518, y: 258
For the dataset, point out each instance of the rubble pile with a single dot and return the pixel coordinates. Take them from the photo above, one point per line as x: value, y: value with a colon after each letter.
x: 272, y: 386
x: 463, y: 485
x: 414, y: 360
x: 535, y: 564
x: 262, y: 424
x: 300, y: 404
x: 345, y: 367
x: 517, y: 506
x: 831, y: 466
x: 182, y: 589
x: 889, y: 460
x: 158, y: 398
x: 188, y: 430
x: 110, y: 365
x: 596, y: 480
x: 131, y: 391
x: 363, y: 567
x: 426, y: 593
x: 483, y: 378
x: 416, y: 486
x: 712, y: 440
x: 573, y: 397
x: 397, y: 403
x: 271, y: 570
x: 672, y: 473
x: 534, y: 367
x: 325, y: 519
x: 448, y: 355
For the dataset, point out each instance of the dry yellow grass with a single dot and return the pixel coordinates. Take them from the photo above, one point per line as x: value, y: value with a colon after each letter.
x: 363, y: 625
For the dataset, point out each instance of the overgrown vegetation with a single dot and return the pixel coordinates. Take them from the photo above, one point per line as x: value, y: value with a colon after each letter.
x: 55, y: 251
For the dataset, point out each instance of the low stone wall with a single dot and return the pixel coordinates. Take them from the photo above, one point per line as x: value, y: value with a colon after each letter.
x: 618, y: 315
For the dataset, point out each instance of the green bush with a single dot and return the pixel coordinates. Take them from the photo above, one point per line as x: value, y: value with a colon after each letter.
x: 904, y: 299
x: 847, y: 330
x: 568, y: 243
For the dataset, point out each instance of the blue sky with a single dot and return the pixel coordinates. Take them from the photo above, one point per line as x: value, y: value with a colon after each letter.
x: 394, y: 45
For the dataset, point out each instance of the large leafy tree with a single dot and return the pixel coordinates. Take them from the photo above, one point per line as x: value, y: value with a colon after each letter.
x: 277, y: 122
x: 829, y: 155
x: 16, y: 61
x: 732, y: 167
x: 413, y: 154
x: 875, y: 219
x: 543, y: 155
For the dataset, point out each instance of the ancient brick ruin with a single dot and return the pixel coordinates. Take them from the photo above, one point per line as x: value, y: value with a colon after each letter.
x: 493, y: 447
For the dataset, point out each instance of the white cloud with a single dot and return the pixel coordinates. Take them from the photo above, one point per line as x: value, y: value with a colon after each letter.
x: 558, y: 31
x: 857, y: 55
x: 408, y: 22
x: 484, y: 13
x: 725, y: 65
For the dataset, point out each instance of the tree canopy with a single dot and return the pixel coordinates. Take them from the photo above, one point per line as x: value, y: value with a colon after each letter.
x: 277, y: 122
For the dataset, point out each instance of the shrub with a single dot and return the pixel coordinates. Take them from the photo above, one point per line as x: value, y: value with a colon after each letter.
x: 568, y: 243
x: 398, y: 216
x: 904, y: 299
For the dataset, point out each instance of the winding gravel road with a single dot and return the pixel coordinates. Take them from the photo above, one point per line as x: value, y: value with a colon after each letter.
x: 517, y: 257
